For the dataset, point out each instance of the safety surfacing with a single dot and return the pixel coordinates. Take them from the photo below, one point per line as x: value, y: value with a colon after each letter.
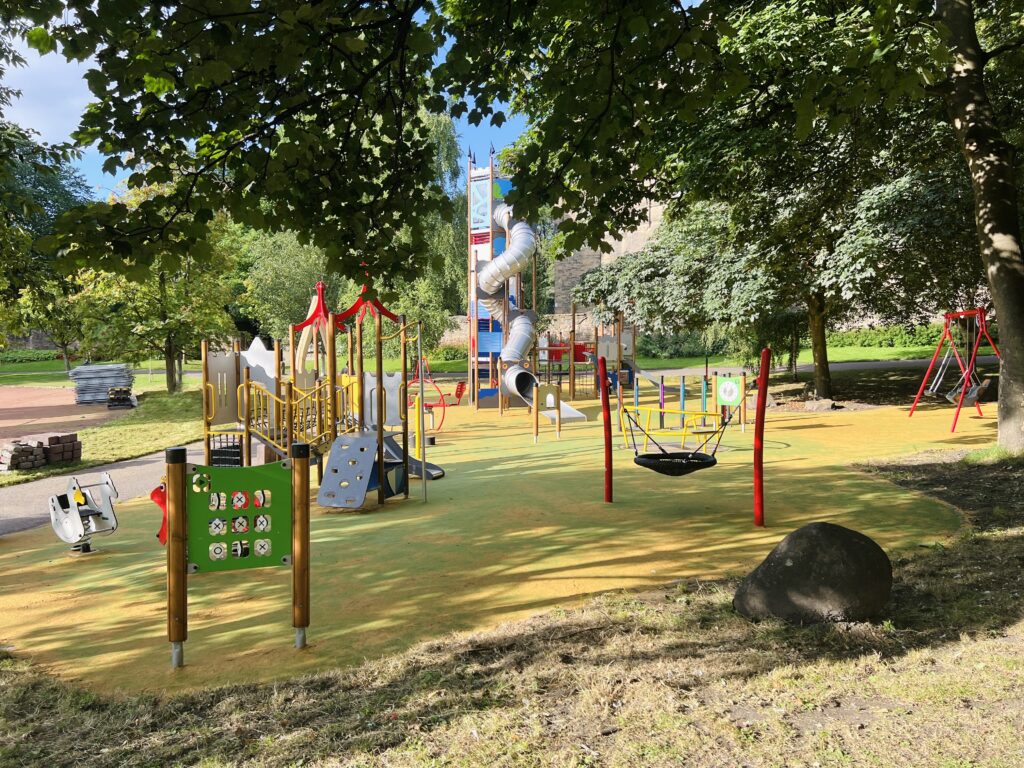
x: 512, y: 530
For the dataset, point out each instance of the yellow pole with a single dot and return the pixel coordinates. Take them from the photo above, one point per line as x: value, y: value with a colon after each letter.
x: 417, y: 433
x: 177, y: 567
x: 247, y: 426
x: 288, y: 436
x: 403, y: 403
x: 300, y: 541
x: 743, y: 402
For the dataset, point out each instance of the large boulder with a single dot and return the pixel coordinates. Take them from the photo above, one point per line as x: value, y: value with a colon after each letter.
x: 821, y: 572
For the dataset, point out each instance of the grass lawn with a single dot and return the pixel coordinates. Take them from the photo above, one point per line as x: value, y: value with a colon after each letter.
x: 160, y: 421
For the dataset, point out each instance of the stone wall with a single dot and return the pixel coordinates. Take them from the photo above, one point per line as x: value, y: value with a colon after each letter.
x: 556, y: 324
x: 569, y: 271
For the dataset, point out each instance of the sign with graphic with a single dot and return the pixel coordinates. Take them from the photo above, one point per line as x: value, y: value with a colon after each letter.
x: 480, y: 204
x: 730, y: 391
x: 238, y: 517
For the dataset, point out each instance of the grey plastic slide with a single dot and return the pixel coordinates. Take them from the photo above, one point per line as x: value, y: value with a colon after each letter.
x: 522, y: 331
x: 393, y: 450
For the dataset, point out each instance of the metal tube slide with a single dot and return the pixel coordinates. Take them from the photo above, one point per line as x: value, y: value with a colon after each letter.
x: 522, y: 333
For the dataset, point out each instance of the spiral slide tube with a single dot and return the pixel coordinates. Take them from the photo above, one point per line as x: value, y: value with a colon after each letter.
x: 522, y: 331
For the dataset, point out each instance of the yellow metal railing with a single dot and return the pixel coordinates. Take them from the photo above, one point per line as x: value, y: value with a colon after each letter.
x: 267, y: 416
x: 689, y: 423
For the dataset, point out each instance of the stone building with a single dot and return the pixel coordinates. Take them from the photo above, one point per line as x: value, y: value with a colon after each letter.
x: 569, y: 271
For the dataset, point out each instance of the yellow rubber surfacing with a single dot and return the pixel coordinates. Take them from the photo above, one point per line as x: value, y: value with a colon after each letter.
x: 514, y: 529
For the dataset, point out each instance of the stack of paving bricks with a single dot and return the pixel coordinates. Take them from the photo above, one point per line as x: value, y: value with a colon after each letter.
x: 62, y: 448
x: 22, y: 455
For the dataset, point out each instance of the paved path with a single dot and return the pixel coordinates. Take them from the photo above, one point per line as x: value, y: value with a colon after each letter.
x: 27, y: 505
x: 28, y: 411
x: 864, y: 365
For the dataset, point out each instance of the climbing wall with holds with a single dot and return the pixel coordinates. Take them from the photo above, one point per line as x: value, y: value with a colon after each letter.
x: 349, y: 470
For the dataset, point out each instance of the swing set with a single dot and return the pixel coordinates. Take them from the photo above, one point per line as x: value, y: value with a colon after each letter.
x: 969, y: 387
x: 676, y: 463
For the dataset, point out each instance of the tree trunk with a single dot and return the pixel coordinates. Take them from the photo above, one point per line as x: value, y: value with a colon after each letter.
x: 170, y: 365
x: 819, y: 348
x: 990, y: 161
x: 794, y: 356
x: 64, y: 354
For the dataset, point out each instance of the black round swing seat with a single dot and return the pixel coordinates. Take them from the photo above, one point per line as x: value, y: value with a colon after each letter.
x: 676, y: 464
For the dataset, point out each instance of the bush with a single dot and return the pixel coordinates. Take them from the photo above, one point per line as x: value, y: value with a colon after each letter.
x: 450, y: 352
x: 665, y: 345
x: 888, y: 336
x: 28, y: 355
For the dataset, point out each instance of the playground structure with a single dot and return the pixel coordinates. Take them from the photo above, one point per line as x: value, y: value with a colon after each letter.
x: 969, y: 387
x: 213, y: 513
x: 84, y: 511
x: 574, y: 359
x: 503, y: 354
x: 252, y: 395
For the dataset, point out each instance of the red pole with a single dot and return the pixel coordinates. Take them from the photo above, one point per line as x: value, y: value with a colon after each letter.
x: 762, y: 404
x: 931, y: 365
x: 602, y: 373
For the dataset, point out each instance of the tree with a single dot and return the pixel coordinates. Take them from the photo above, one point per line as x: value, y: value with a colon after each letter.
x: 613, y: 91
x: 53, y: 308
x: 45, y: 189
x: 288, y: 115
x: 179, y: 304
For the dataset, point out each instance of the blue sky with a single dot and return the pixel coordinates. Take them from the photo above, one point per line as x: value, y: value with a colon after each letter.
x: 54, y: 95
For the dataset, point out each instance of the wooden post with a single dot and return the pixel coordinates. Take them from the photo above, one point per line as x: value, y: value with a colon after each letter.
x: 291, y: 353
x: 177, y: 567
x: 247, y: 426
x: 572, y: 356
x: 204, y: 352
x: 379, y: 346
x: 536, y: 412
x: 558, y: 415
x: 300, y: 541
x: 278, y: 416
x: 332, y: 377
x: 403, y: 403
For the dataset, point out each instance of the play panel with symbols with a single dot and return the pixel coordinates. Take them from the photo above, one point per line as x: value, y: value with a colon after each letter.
x: 239, y: 517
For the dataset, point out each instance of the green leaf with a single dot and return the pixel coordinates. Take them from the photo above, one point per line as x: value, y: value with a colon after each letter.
x: 158, y: 85
x: 41, y: 40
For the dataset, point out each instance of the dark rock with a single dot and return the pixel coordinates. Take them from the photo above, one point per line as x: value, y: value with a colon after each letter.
x: 820, y: 572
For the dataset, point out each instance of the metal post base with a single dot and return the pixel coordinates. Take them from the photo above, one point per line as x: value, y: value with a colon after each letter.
x: 300, y: 637
x: 177, y: 655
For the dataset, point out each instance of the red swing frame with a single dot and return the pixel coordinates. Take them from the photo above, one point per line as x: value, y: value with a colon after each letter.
x: 966, y: 372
